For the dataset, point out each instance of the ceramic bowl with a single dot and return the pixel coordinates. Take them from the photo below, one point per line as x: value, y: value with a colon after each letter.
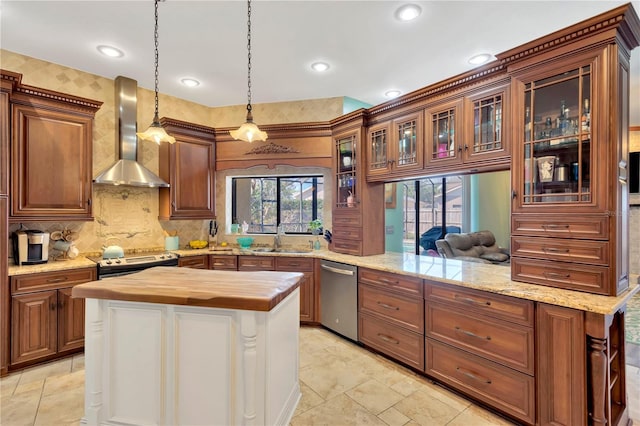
x: 245, y: 242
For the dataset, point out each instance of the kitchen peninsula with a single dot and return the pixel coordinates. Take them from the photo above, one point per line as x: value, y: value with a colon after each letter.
x: 186, y: 346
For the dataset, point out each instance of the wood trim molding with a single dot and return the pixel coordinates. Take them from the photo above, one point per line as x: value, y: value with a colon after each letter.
x: 172, y: 122
x: 272, y: 148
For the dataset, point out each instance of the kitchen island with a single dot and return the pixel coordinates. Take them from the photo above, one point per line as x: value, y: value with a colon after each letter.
x: 185, y: 346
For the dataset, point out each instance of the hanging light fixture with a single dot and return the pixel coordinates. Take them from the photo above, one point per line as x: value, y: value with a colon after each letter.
x: 155, y: 132
x: 249, y: 131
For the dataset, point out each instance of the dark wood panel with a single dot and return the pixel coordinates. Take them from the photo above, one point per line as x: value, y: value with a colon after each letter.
x: 567, y: 250
x: 406, y: 312
x: 70, y: 321
x: 256, y: 263
x: 595, y: 227
x: 51, y: 280
x: 402, y: 284
x: 572, y: 276
x: 195, y: 262
x: 33, y: 326
x: 223, y: 262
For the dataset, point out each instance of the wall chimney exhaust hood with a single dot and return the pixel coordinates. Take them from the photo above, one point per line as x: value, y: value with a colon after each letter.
x: 127, y: 171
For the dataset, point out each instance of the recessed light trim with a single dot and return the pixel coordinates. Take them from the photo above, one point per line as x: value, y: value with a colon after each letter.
x: 394, y: 93
x: 320, y: 66
x: 190, y: 82
x: 480, y: 59
x: 110, y: 51
x: 408, y: 12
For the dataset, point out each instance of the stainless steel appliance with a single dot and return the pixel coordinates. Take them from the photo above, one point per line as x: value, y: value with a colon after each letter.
x: 128, y: 265
x: 339, y: 298
x: 30, y: 247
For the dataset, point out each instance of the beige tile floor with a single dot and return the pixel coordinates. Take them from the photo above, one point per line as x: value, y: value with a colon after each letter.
x: 342, y: 384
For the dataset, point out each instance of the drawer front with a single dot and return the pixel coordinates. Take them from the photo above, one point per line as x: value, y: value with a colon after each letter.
x: 566, y: 226
x: 582, y: 251
x: 255, y: 263
x: 347, y: 232
x: 500, y: 341
x: 571, y: 276
x: 293, y: 264
x: 495, y: 305
x: 223, y: 262
x: 402, y: 311
x: 493, y: 384
x: 343, y: 246
x: 195, y: 262
x: 394, y: 341
x: 405, y: 285
x: 52, y: 280
x: 339, y: 220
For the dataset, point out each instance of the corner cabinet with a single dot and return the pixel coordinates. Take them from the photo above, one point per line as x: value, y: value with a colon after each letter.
x: 51, y: 155
x: 570, y: 202
x: 358, y: 206
x: 189, y: 167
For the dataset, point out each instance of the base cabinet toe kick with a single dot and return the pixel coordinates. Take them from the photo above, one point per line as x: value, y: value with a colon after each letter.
x: 533, y: 362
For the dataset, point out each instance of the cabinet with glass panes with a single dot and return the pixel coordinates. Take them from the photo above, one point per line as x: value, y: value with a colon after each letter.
x: 486, y: 111
x: 557, y: 150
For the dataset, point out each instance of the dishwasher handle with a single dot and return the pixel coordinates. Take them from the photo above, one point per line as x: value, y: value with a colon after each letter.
x: 337, y: 270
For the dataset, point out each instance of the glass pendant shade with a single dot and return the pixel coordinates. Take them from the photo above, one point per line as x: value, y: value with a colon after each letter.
x: 249, y: 132
x: 156, y: 133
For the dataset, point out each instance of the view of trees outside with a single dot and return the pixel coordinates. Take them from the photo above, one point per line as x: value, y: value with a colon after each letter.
x: 301, y: 201
x: 431, y: 209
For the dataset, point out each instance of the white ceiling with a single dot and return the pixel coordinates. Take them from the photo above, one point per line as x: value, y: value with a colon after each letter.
x: 369, y: 51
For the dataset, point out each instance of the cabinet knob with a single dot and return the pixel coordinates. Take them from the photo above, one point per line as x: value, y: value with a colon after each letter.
x: 460, y: 148
x: 89, y: 202
x: 466, y: 147
x: 514, y: 194
x: 52, y: 306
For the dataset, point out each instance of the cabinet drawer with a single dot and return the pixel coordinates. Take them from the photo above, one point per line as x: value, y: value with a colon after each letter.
x: 223, y: 262
x: 394, y: 282
x: 347, y: 232
x: 494, y: 305
x: 396, y: 342
x: 52, y: 280
x: 565, y: 226
x: 402, y: 311
x: 498, y: 386
x: 340, y: 245
x: 255, y: 263
x: 195, y: 262
x: 500, y: 341
x: 346, y: 220
x: 294, y: 264
x: 583, y: 251
x: 571, y: 276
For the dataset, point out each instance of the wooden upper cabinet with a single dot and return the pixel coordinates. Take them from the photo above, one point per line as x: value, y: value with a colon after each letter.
x: 444, y: 126
x: 485, y: 119
x: 4, y: 143
x: 189, y: 167
x: 51, y: 155
x: 378, y: 151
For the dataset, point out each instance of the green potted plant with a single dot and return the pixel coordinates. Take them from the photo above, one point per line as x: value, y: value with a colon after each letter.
x: 315, y: 226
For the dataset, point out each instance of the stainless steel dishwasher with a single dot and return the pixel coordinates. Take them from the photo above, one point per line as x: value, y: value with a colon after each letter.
x: 339, y: 298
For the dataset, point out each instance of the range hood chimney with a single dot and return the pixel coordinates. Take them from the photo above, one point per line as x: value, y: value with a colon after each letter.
x: 127, y: 171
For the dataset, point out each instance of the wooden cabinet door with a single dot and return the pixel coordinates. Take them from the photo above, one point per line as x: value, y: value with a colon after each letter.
x: 189, y: 167
x: 443, y: 131
x: 485, y: 116
x: 5, y: 298
x: 379, y: 159
x: 407, y: 142
x: 4, y: 143
x: 70, y: 321
x: 51, y: 163
x: 195, y: 262
x: 307, y: 286
x: 34, y: 325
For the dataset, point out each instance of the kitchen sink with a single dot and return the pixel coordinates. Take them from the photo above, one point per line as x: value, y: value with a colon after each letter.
x: 262, y: 249
x: 272, y: 250
x: 293, y: 251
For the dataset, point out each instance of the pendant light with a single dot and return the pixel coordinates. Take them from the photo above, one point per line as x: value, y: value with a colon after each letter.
x: 155, y: 132
x: 249, y: 131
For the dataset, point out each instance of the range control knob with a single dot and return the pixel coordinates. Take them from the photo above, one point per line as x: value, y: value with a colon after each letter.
x: 108, y: 262
x: 162, y: 256
x: 118, y: 261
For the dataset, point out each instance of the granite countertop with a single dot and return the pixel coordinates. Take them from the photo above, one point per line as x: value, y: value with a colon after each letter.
x: 479, y: 276
x: 254, y: 291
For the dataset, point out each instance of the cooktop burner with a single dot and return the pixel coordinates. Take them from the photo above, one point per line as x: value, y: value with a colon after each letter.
x: 134, y: 263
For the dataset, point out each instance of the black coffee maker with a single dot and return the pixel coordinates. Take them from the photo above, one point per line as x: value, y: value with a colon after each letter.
x: 30, y: 247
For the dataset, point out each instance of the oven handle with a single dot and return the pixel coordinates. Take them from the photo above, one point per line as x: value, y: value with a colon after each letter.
x: 336, y: 270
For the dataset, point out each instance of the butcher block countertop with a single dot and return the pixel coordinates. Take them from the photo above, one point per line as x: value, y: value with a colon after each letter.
x: 254, y: 291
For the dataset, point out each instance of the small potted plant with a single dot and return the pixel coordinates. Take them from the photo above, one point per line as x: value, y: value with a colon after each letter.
x: 315, y: 226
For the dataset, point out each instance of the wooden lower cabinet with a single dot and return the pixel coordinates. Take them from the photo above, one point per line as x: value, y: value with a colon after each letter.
x: 46, y: 322
x: 195, y: 262
x: 223, y: 262
x: 307, y: 287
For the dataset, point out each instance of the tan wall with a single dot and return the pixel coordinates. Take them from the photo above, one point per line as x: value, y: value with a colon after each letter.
x: 130, y: 214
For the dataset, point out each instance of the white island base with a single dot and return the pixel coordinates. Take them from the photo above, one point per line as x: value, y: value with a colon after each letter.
x: 163, y: 364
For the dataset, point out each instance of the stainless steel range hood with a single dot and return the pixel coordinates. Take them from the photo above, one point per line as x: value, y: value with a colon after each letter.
x: 127, y: 171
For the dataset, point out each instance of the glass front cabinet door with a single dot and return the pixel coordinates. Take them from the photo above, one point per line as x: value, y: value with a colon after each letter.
x: 408, y: 143
x: 485, y: 115
x: 443, y: 133
x: 346, y: 172
x: 378, y: 149
x: 556, y: 146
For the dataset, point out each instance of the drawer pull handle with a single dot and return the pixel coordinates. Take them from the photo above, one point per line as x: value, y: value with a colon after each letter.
x: 390, y: 307
x: 555, y: 226
x: 471, y: 334
x: 470, y: 300
x: 555, y: 250
x: 388, y: 339
x: 473, y: 376
x: 57, y: 280
x: 556, y: 275
x: 388, y: 281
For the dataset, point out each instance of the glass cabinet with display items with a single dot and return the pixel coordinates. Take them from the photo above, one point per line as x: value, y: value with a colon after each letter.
x: 557, y: 150
x: 484, y: 117
x: 378, y: 144
x: 443, y: 133
x: 346, y: 171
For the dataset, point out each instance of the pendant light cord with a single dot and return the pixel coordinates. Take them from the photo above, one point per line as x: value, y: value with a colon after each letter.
x: 155, y: 38
x: 249, y: 55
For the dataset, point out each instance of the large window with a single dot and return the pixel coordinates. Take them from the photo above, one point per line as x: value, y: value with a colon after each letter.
x: 266, y: 202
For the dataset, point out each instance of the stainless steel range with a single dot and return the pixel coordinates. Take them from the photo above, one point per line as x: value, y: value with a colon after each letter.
x: 130, y: 264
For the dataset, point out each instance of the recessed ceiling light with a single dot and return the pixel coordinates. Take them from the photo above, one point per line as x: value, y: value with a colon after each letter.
x: 392, y: 93
x: 408, y: 12
x: 320, y: 66
x: 190, y: 82
x: 480, y: 59
x: 110, y: 51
